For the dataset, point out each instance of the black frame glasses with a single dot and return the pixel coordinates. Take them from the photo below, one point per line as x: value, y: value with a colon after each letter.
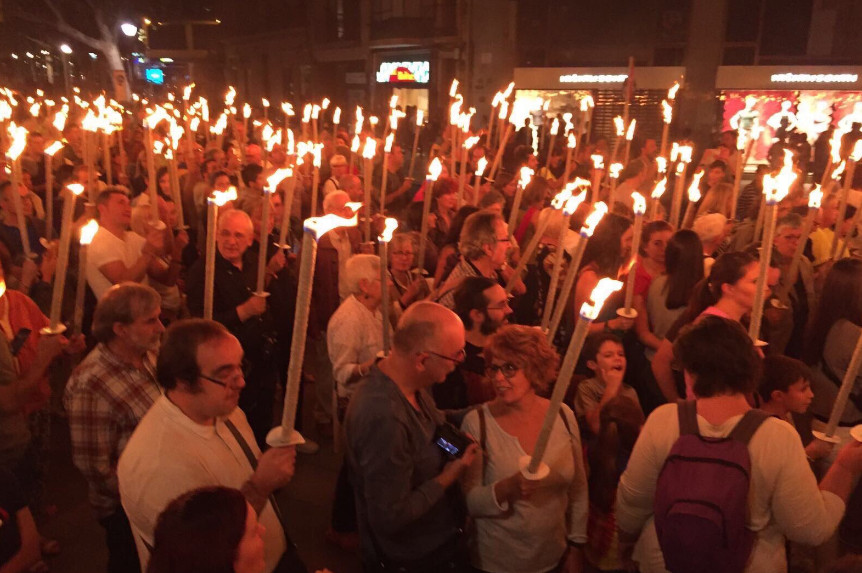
x: 218, y: 382
x: 508, y: 369
x: 462, y: 356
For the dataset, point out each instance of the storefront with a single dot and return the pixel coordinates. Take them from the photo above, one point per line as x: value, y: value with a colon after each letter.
x: 563, y: 88
x: 776, y: 101
x: 407, y: 76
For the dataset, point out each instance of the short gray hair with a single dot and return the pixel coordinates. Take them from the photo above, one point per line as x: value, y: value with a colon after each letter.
x: 360, y: 267
x: 791, y: 220
x: 330, y: 199
x: 224, y: 216
x: 123, y: 303
x: 477, y: 232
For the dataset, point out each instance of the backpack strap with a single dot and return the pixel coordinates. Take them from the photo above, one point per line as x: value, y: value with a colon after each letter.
x: 748, y: 425
x: 481, y: 411
x: 687, y: 413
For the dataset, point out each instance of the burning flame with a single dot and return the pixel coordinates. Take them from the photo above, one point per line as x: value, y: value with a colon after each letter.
x: 777, y: 187
x: 187, y: 92
x: 273, y: 181
x: 316, y: 155
x: 587, y: 103
x: 373, y: 120
x: 319, y: 226
x: 230, y: 96
x: 599, y: 210
x: 835, y: 146
x: 600, y: 294
x: 88, y: 231
x: 325, y: 103
x: 195, y: 124
x: 498, y: 97
x: 572, y: 141
x: 671, y: 93
x: 18, y: 133
x: 480, y: 166
x: 387, y: 147
x: 525, y: 175
x: 453, y: 89
x: 630, y: 134
x: 60, y: 119
x: 221, y: 198
x: 616, y: 169
x: 455, y: 112
x: 666, y: 111
x: 659, y: 189
x: 694, y: 189
x: 661, y: 164
x: 315, y: 111
x: 619, y: 125
x: 154, y: 118
x: 434, y: 170
x: 504, y: 109
x: 598, y: 161
x: 836, y: 174
x: 336, y: 116
x: 354, y: 146
x: 555, y: 126
x: 34, y: 109
x: 639, y: 203
x: 287, y: 108
x: 508, y: 91
x: 54, y: 148
x: 856, y: 154
x: 471, y: 141
x: 391, y: 224
x: 306, y: 113
x: 75, y: 188
x: 419, y: 117
x: 815, y: 198
x: 90, y: 122
x: 393, y: 101
x: 246, y: 110
x: 370, y: 148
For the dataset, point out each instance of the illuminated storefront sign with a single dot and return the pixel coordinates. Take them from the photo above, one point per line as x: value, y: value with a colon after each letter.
x: 593, y: 78
x: 815, y: 78
x: 404, y: 72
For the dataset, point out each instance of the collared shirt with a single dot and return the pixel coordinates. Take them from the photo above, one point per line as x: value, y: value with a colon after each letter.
x: 393, y: 460
x: 108, y: 248
x: 105, y: 399
x: 169, y: 455
x: 354, y: 336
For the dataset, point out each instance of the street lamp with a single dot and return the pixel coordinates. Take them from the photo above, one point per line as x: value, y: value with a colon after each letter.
x: 66, y: 50
x: 129, y: 30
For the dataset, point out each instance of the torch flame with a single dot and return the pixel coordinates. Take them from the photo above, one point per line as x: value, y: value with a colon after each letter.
x: 315, y: 111
x: 616, y: 169
x: 434, y: 170
x: 273, y: 181
x: 336, y: 116
x: 504, y: 109
x: 777, y: 187
x: 306, y: 113
x: 229, y: 96
x: 246, y: 110
x: 671, y: 93
x: 639, y: 203
x: 316, y: 155
x: 419, y: 117
x: 387, y: 147
x: 599, y: 210
x: 471, y: 141
x: 659, y: 189
x: 393, y: 101
x: 287, y: 108
x: 354, y: 146
x: 815, y: 198
x: 480, y: 166
x: 54, y: 148
x: 187, y: 92
x: 666, y: 111
x: 630, y: 134
x: 572, y: 142
x: 90, y: 122
x: 498, y: 97
x: 34, y: 109
x: 619, y: 125
x: 325, y: 103
x: 508, y: 91
x: 694, y: 189
x: 587, y: 103
x: 598, y: 161
x: 661, y: 164
x: 555, y: 126
x: 195, y: 124
x: 453, y: 89
x: 600, y: 294
x: 88, y: 231
x: 18, y: 133
x: 221, y: 198
x: 319, y: 226
x: 835, y: 146
x: 525, y: 176
x: 75, y: 188
x: 391, y: 224
x: 370, y: 148
x: 836, y: 174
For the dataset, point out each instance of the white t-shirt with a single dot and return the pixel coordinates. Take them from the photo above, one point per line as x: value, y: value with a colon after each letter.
x: 169, y: 455
x: 107, y: 248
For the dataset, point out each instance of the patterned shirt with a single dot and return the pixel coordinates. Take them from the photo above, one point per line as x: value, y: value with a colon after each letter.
x: 105, y: 400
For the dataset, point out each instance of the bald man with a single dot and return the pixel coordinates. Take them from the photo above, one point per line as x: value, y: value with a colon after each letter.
x: 408, y: 505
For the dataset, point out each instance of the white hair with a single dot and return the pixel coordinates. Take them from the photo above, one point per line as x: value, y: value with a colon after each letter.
x: 330, y: 200
x: 360, y: 267
x: 224, y: 216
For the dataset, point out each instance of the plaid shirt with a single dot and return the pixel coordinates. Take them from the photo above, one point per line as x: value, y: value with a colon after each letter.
x: 105, y: 400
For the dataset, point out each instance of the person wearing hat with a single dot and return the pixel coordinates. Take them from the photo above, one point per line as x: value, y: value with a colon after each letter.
x: 337, y: 168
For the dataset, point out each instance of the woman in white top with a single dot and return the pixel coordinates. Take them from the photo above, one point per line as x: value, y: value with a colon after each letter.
x: 524, y: 526
x: 784, y: 499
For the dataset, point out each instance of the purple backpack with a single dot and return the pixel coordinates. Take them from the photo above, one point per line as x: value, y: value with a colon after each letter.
x: 701, y: 498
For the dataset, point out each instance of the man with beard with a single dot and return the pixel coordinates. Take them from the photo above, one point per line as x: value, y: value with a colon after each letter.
x: 483, y: 306
x: 107, y: 396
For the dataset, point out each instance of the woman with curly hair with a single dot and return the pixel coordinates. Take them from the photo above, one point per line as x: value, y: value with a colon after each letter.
x: 521, y: 525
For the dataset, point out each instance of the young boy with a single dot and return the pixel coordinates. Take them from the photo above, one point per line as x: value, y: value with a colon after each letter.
x: 606, y: 357
x: 786, y: 389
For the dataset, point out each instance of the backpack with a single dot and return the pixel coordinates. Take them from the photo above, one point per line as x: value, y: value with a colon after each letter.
x: 701, y: 498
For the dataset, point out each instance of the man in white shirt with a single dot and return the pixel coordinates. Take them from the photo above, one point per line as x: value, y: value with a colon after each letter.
x: 195, y: 435
x: 117, y: 254
x: 338, y: 168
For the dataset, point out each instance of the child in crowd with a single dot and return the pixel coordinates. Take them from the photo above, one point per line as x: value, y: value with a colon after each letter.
x: 785, y: 390
x: 606, y: 358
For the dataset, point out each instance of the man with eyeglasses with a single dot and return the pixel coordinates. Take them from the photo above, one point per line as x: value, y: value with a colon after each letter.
x: 195, y: 435
x: 483, y: 307
x: 409, y: 508
x: 483, y: 245
x: 245, y: 313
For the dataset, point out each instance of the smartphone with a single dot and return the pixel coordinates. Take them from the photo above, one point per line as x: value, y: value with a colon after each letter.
x: 452, y: 441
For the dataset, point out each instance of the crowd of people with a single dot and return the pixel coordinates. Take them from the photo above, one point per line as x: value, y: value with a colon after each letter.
x: 168, y: 412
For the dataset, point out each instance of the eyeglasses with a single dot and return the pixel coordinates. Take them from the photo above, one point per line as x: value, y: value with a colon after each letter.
x: 232, y: 381
x: 458, y: 359
x: 500, y: 306
x: 402, y: 253
x: 508, y: 369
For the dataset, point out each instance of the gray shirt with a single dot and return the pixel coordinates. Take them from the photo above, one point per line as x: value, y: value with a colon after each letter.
x: 393, y: 461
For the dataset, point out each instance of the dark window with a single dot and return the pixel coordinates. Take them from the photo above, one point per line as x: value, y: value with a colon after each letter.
x: 743, y: 17
x: 786, y: 24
